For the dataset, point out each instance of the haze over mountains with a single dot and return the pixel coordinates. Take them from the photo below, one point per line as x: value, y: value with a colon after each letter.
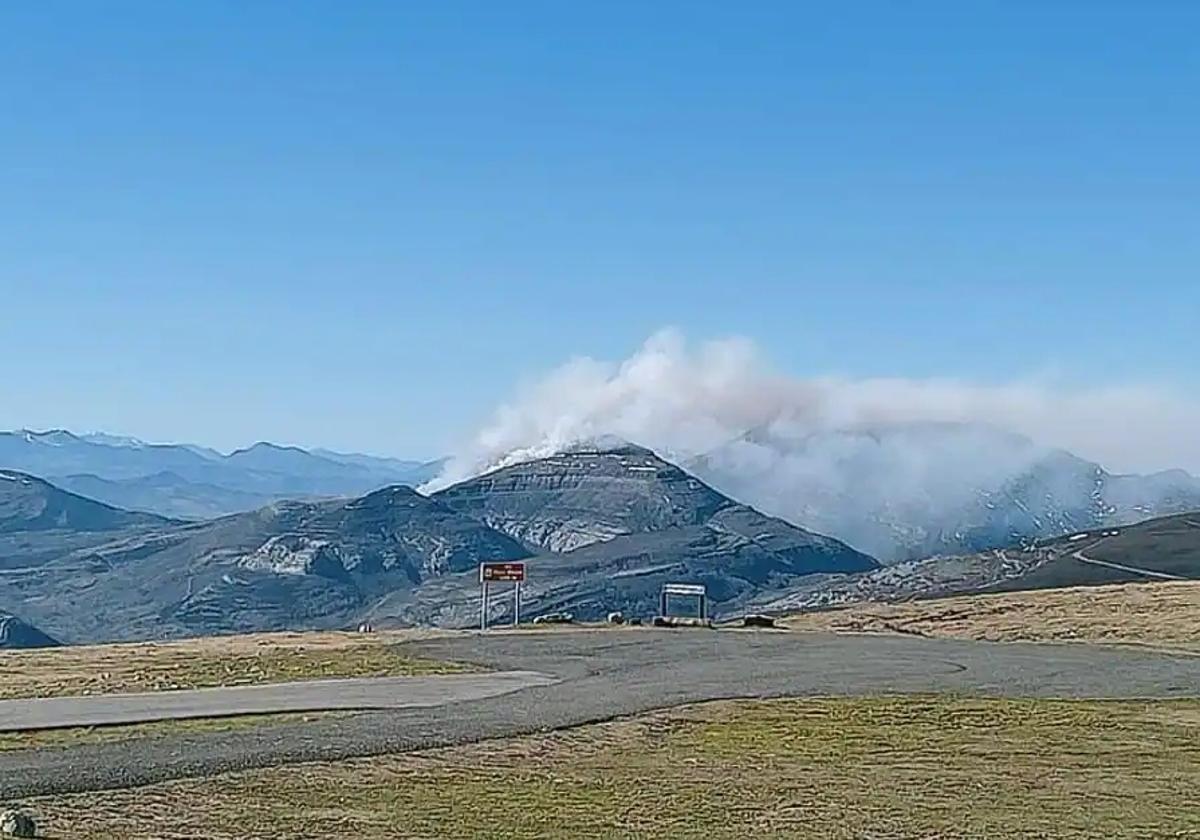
x: 905, y: 491
x: 603, y: 524
x: 895, y: 491
x: 193, y: 482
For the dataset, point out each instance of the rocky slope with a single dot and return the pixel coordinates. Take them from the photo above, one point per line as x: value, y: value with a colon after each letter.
x: 610, y: 526
x: 1159, y: 549
x: 289, y: 565
x: 600, y: 530
x: 586, y: 496
x: 17, y: 635
x: 909, y: 491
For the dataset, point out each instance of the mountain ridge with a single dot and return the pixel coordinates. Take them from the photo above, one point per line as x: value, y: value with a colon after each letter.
x: 1162, y: 548
x: 910, y: 490
x: 212, y: 484
x: 28, y: 503
x: 397, y: 556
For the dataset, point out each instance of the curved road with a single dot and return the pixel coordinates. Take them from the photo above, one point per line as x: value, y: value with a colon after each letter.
x: 605, y: 674
x: 1133, y: 570
x: 304, y: 696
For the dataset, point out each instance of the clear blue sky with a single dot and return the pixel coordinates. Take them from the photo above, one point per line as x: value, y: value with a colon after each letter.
x: 359, y: 224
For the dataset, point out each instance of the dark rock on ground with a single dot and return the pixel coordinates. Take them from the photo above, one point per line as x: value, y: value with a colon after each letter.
x: 757, y: 620
x: 17, y: 635
x: 17, y: 824
x: 680, y: 621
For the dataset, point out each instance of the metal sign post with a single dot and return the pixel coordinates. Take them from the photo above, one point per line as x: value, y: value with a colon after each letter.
x: 503, y: 572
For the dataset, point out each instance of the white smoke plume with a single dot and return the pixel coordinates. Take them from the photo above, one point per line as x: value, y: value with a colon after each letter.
x: 685, y: 400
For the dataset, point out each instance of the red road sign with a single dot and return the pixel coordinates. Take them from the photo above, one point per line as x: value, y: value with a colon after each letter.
x: 512, y: 572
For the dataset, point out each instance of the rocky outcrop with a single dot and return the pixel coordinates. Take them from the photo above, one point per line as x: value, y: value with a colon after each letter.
x: 633, y: 522
x: 17, y: 635
x: 585, y: 496
x: 17, y: 824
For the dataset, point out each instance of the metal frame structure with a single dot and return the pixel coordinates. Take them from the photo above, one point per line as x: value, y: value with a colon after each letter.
x: 689, y: 590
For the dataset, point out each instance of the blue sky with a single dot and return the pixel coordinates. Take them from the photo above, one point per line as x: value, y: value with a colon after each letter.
x: 360, y: 224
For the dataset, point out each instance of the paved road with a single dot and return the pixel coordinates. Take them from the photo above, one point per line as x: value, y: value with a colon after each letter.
x: 315, y: 695
x: 604, y: 674
x: 1133, y: 570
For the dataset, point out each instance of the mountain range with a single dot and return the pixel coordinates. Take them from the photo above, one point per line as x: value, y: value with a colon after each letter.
x: 193, y: 482
x: 601, y: 525
x: 395, y: 556
x: 898, y: 491
x: 907, y: 491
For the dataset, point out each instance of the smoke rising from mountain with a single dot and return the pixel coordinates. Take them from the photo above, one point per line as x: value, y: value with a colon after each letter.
x: 684, y: 400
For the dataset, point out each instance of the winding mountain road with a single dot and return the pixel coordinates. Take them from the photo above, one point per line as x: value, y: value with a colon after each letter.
x: 609, y: 673
x: 1133, y: 570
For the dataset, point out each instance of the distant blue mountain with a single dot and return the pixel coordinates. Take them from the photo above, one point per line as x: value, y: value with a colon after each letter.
x: 194, y: 482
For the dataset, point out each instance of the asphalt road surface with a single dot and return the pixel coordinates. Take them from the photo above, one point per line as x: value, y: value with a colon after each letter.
x: 610, y: 673
x: 308, y: 696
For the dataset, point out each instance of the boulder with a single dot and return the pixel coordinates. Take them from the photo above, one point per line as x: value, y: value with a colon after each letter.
x: 680, y: 621
x: 756, y: 620
x: 17, y: 824
x: 555, y: 618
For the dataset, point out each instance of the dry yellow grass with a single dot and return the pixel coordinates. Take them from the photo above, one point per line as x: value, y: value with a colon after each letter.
x: 885, y: 767
x: 215, y: 661
x: 1165, y: 616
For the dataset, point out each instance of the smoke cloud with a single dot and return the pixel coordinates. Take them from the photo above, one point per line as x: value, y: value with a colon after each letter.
x: 684, y: 400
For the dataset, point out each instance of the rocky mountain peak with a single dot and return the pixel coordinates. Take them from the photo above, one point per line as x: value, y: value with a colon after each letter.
x: 585, y: 495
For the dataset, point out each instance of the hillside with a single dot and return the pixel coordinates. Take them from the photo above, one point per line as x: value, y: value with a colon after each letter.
x: 908, y: 491
x: 1162, y: 549
x: 625, y: 522
x: 166, y: 492
x: 601, y: 530
x: 30, y: 504
x: 15, y: 634
x: 289, y: 565
x: 586, y: 496
x: 1159, y: 549
x: 1164, y: 615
